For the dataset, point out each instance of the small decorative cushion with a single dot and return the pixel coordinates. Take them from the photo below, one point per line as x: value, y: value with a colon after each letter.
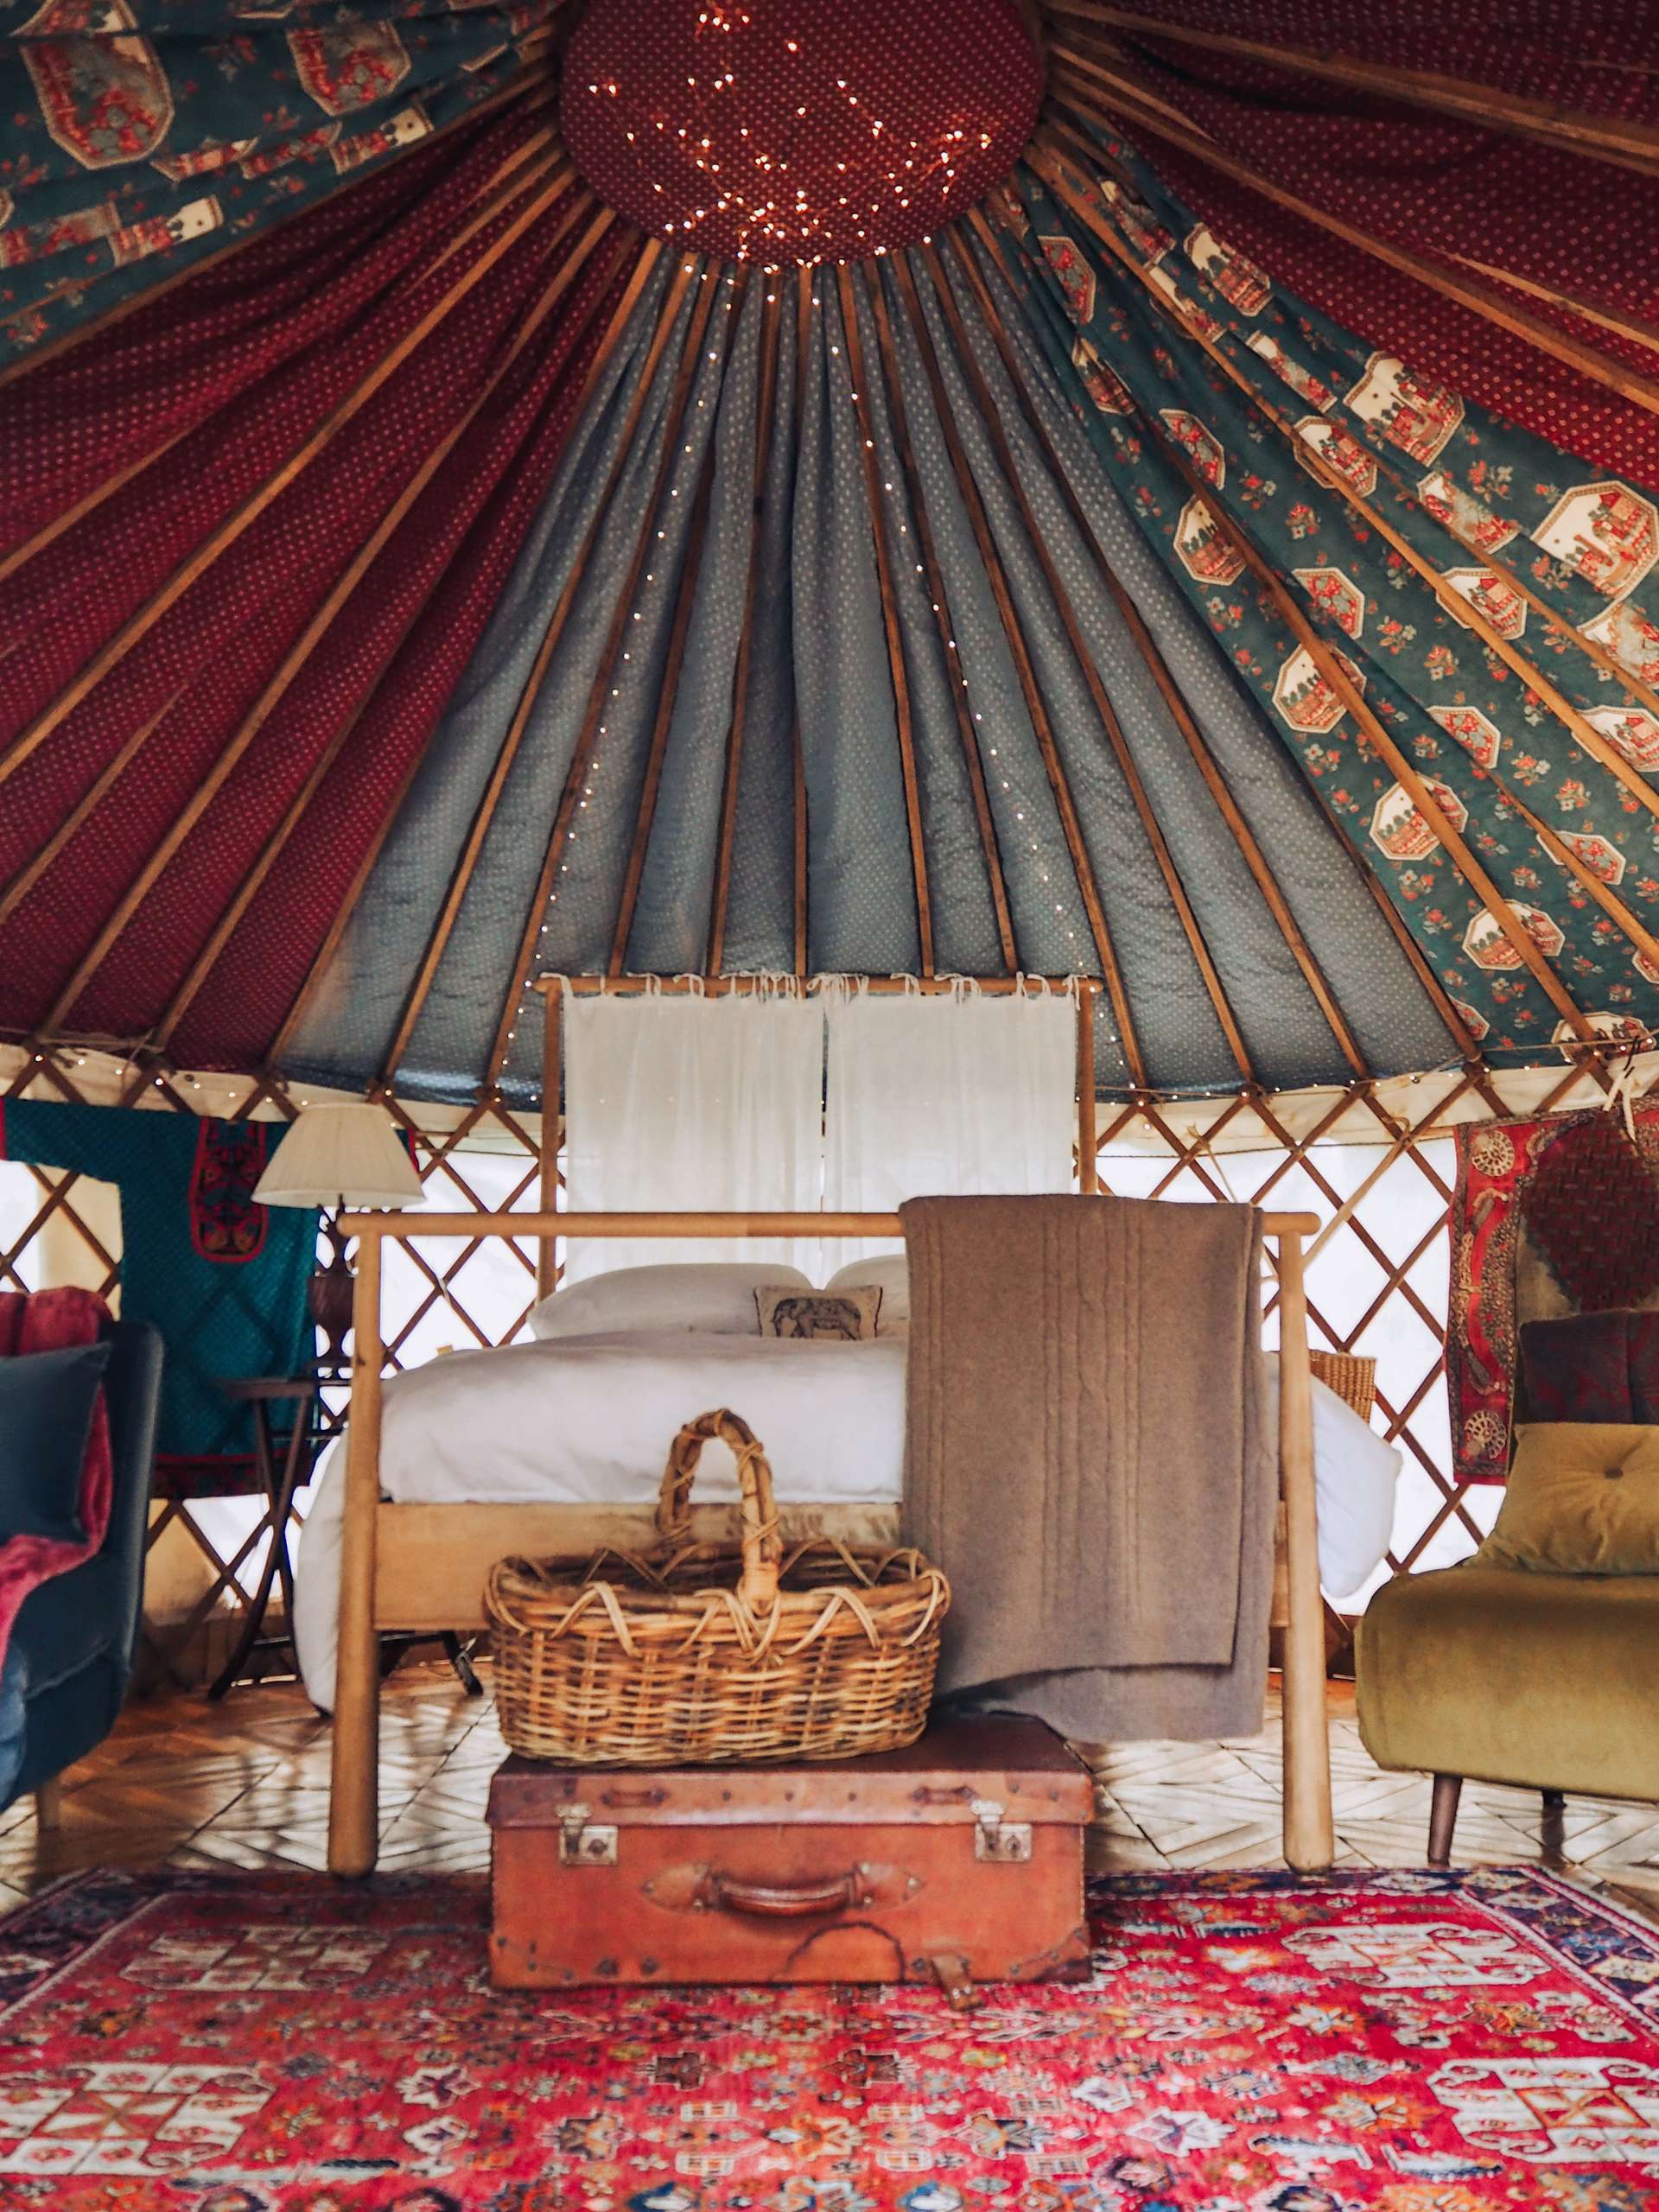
x: 888, y: 1272
x: 848, y: 1316
x: 47, y: 1402
x: 710, y: 1297
x: 1583, y: 1499
x: 1595, y: 1367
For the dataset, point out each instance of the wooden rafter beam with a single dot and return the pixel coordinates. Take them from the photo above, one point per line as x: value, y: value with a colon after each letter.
x: 84, y: 807
x: 1117, y: 98
x: 1243, y: 836
x: 1599, y: 137
x: 1486, y: 556
x: 1329, y: 666
x: 299, y: 806
x: 1577, y: 724
x: 532, y: 89
x: 484, y: 813
x: 765, y: 414
x: 938, y: 596
x: 1030, y: 691
x: 685, y: 600
x: 301, y: 1003
x: 338, y: 598
x: 875, y: 492
x: 1129, y: 768
x: 1635, y: 328
x: 190, y: 571
x: 586, y: 736
x: 804, y: 309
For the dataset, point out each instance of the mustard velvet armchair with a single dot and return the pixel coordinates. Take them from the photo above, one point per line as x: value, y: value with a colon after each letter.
x: 1501, y: 1674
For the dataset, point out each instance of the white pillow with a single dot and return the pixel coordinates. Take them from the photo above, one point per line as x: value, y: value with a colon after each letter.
x: 713, y: 1297
x: 1354, y: 1475
x: 891, y: 1276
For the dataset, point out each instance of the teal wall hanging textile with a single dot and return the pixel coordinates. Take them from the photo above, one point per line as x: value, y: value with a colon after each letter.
x: 223, y: 1280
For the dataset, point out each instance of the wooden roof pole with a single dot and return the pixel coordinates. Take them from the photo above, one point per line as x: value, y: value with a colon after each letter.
x: 255, y: 876
x: 340, y: 593
x: 91, y: 500
x: 685, y: 598
x: 1343, y: 685
x: 38, y: 862
x: 933, y: 577
x: 1639, y: 331
x: 1604, y: 138
x: 1461, y: 609
x: 301, y: 1002
x: 535, y: 91
x: 1151, y: 827
x: 1464, y: 611
x: 507, y: 753
x: 1123, y: 94
x: 1402, y: 768
x: 586, y: 735
x: 1181, y: 714
x: 765, y: 410
x: 191, y: 570
x: 88, y: 504
x: 805, y: 306
x: 873, y: 493
x: 1036, y: 708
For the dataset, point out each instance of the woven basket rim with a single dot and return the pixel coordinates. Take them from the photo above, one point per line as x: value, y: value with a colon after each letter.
x: 531, y: 1585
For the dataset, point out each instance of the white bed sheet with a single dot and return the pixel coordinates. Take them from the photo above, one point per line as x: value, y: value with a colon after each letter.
x: 588, y: 1420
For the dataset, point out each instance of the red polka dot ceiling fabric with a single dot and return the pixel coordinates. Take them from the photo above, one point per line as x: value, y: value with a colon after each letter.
x: 798, y: 131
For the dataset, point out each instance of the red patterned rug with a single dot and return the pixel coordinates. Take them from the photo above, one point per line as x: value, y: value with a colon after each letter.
x: 1414, y: 2042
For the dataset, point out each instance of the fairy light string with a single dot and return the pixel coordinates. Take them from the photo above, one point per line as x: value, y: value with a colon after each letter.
x: 798, y: 131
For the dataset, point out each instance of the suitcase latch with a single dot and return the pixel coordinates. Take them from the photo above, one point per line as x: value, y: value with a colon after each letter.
x: 999, y: 1842
x: 583, y: 1842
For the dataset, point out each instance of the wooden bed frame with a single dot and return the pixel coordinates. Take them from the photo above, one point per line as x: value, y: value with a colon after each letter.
x: 421, y: 1566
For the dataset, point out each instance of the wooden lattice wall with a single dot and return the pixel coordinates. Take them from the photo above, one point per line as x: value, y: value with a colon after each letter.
x: 1374, y: 1160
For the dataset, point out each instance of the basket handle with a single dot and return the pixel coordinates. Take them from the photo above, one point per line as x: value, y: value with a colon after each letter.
x: 763, y: 1543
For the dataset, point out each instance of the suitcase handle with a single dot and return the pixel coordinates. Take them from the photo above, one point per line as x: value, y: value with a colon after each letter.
x: 784, y: 1901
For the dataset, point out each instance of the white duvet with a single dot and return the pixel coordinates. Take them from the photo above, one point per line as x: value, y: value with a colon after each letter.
x: 588, y: 1419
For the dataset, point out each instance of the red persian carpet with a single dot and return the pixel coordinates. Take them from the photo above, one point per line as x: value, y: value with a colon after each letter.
x: 1249, y: 2043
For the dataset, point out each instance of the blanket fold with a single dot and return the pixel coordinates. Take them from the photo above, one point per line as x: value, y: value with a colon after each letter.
x: 1089, y: 1457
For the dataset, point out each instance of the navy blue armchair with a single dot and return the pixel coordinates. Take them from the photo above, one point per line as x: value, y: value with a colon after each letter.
x: 77, y: 1632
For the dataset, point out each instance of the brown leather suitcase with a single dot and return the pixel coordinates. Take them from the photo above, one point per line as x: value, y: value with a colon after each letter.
x: 959, y: 1860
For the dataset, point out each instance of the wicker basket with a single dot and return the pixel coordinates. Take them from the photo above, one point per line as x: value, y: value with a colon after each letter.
x: 1349, y: 1376
x: 655, y: 1660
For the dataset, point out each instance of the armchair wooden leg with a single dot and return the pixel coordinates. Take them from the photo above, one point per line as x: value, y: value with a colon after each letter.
x: 48, y: 1806
x: 1443, y: 1818
x: 1552, y: 1832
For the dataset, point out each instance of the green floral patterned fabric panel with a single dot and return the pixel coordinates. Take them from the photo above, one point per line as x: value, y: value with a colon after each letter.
x: 140, y: 136
x: 1477, y: 728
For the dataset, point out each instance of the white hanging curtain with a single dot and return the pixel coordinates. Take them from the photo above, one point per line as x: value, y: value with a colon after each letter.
x: 692, y: 1103
x: 964, y: 1091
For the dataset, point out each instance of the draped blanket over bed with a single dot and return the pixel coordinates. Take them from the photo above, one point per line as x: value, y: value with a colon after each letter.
x: 1086, y: 1406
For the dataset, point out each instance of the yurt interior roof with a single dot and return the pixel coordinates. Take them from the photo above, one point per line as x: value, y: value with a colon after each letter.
x: 766, y: 611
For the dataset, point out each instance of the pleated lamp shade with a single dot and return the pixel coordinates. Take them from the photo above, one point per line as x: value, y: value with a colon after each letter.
x: 347, y: 1155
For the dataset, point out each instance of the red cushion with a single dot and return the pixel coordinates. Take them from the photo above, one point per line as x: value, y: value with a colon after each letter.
x: 1593, y: 1367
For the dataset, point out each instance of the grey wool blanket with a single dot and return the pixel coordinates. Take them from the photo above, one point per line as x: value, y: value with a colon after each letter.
x: 1089, y: 1459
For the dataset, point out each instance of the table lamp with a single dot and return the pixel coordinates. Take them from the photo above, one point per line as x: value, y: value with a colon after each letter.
x: 334, y: 1157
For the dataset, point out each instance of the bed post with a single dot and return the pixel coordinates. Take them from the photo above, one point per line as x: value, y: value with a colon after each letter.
x: 1088, y: 1156
x: 1310, y: 1840
x: 354, y: 1791
x: 552, y: 990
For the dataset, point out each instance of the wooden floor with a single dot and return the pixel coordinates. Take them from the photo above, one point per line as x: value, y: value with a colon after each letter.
x: 246, y: 1784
